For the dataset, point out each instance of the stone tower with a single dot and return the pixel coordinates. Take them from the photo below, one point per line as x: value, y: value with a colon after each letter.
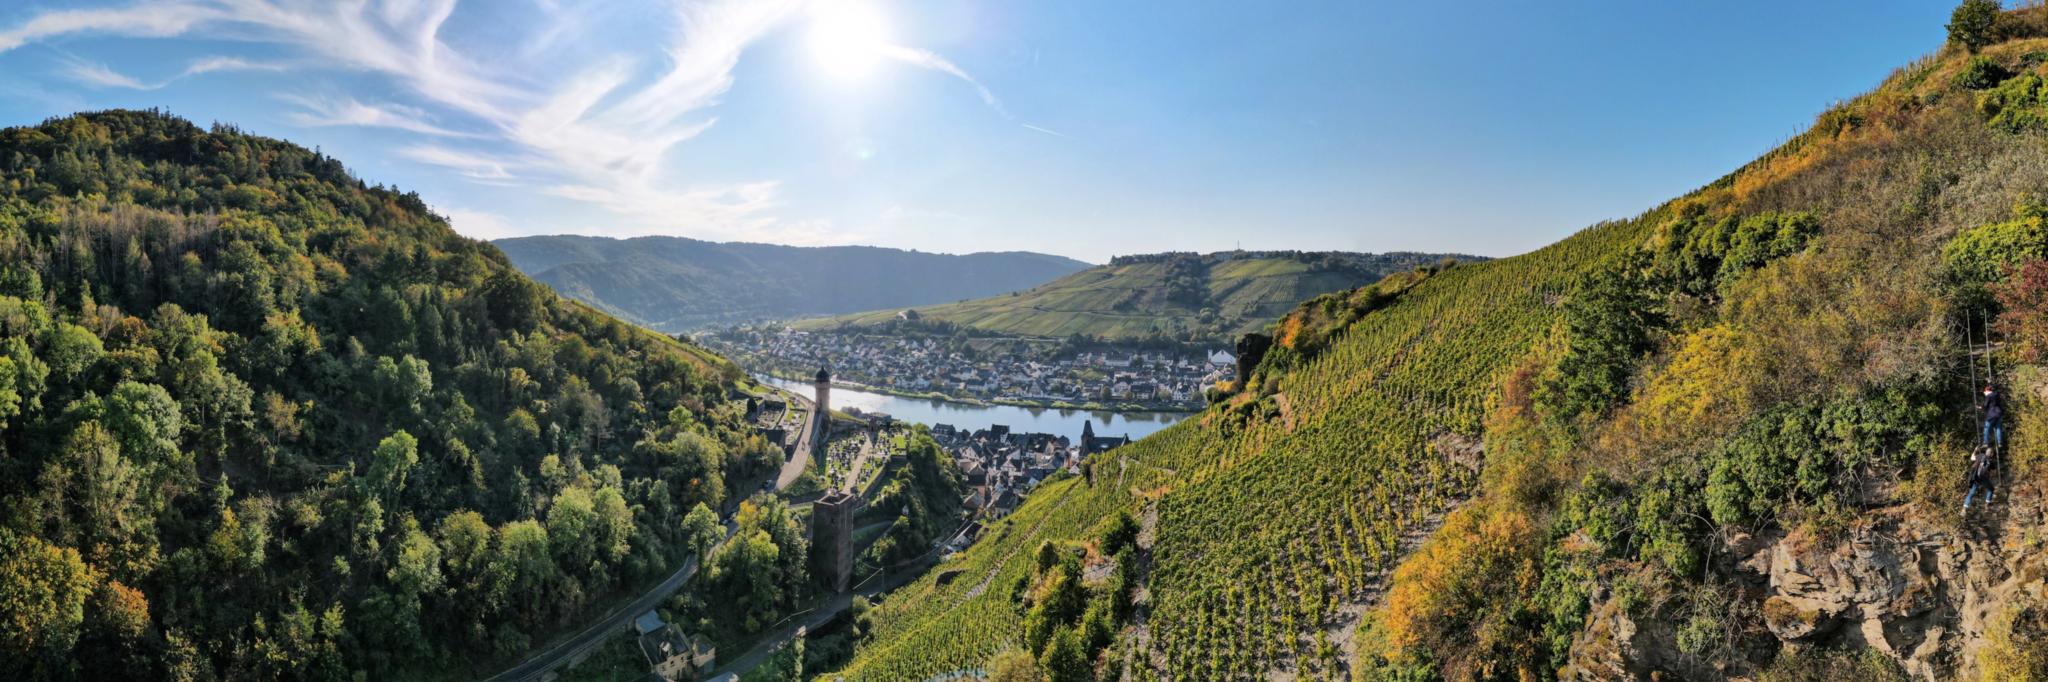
x: 832, y: 539
x: 1087, y: 437
x: 823, y: 383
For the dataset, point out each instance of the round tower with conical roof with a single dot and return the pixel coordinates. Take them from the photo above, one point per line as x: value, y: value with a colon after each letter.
x: 823, y: 384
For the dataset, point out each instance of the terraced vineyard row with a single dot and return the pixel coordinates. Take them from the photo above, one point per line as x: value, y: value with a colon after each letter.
x: 1265, y: 531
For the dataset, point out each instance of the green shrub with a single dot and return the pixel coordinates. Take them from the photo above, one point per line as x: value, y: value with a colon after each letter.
x: 1861, y: 665
x: 1610, y: 325
x: 1981, y: 73
x: 2016, y: 105
x: 1797, y: 457
x: 1701, y: 258
x: 1670, y: 520
x: 1981, y: 255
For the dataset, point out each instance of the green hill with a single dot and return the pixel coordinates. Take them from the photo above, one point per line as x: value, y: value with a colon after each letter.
x: 1724, y: 438
x: 261, y: 420
x: 674, y: 284
x: 1181, y: 296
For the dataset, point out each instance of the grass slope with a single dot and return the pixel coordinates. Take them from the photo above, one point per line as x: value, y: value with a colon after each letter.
x: 1176, y: 296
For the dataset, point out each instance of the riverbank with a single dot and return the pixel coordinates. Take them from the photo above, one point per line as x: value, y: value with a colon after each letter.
x: 971, y: 416
x: 1161, y: 408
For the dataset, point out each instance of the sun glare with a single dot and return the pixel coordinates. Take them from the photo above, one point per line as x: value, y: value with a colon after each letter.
x: 848, y: 38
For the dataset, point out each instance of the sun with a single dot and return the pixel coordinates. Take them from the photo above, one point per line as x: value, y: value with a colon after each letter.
x: 848, y: 37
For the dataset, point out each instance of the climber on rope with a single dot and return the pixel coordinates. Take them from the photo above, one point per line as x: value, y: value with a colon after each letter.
x: 1980, y: 475
x: 1990, y: 439
x: 1992, y: 408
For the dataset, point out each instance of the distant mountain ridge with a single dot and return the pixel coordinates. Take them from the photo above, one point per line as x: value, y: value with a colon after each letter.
x: 676, y: 284
x: 1174, y: 296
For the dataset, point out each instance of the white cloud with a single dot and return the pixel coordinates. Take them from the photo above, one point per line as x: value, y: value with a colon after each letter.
x: 1047, y: 131
x: 480, y: 224
x: 930, y: 60
x: 599, y: 134
x: 347, y: 111
x: 718, y: 211
x: 476, y: 166
x: 217, y: 64
x: 150, y: 19
x: 98, y: 75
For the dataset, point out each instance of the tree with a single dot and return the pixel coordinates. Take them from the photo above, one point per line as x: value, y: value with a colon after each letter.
x: 238, y: 542
x: 43, y: 589
x: 786, y: 665
x: 145, y: 419
x: 1609, y: 324
x: 701, y: 529
x: 309, y: 338
x: 465, y: 544
x: 10, y: 396
x: 524, y: 563
x: 1048, y: 556
x: 90, y: 494
x: 72, y: 350
x: 417, y: 568
x: 1974, y: 24
x: 1066, y: 658
x: 390, y: 463
x: 406, y: 382
x: 572, y: 522
x: 759, y: 570
x: 614, y: 525
x: 1120, y: 532
x: 745, y: 570
x: 121, y: 611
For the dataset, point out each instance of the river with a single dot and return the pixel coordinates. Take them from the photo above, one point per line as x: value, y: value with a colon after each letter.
x: 971, y: 417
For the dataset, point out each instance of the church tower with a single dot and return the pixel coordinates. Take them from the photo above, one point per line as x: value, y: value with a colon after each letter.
x: 1087, y: 437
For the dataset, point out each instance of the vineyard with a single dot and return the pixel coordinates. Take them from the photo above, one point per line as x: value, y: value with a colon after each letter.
x: 1747, y: 358
x: 1176, y: 297
x: 1264, y: 532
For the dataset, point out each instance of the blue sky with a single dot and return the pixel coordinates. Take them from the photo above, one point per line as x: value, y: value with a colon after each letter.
x: 1077, y: 127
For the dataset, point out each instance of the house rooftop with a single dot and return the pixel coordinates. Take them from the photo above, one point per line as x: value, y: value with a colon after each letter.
x: 647, y: 622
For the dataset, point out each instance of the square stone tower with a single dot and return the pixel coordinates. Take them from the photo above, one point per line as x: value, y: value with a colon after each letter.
x: 832, y: 538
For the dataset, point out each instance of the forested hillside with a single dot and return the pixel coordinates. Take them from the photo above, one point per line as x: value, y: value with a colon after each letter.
x: 675, y: 285
x: 262, y: 420
x: 1724, y: 438
x: 1183, y: 297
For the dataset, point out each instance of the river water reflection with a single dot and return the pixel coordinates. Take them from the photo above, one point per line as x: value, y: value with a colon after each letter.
x: 972, y: 417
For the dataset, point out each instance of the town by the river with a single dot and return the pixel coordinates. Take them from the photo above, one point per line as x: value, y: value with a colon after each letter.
x: 969, y: 417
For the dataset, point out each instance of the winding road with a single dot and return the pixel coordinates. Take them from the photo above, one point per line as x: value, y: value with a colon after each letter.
x: 539, y: 664
x: 567, y: 649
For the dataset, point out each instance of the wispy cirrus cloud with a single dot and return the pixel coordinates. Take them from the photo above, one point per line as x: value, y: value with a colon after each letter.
x: 147, y: 19
x: 98, y: 75
x: 469, y: 164
x: 347, y: 111
x: 599, y: 133
x: 479, y: 224
x: 219, y: 64
x: 927, y: 59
